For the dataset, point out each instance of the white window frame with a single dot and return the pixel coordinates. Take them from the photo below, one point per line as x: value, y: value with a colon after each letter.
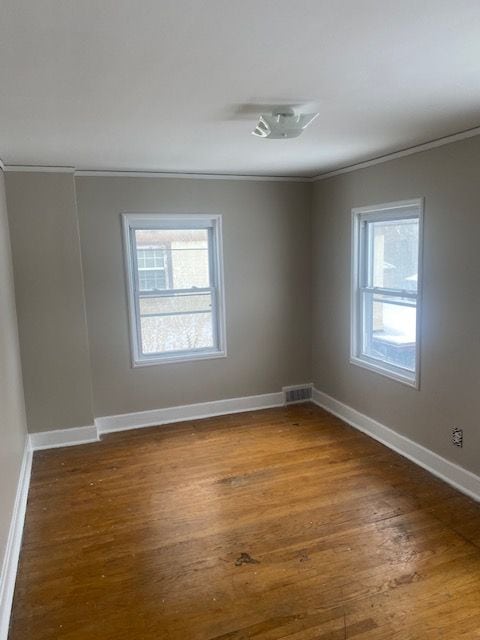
x: 134, y: 221
x: 386, y: 211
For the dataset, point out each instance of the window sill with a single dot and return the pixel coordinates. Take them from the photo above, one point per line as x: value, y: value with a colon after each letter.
x: 187, y: 357
x: 387, y: 373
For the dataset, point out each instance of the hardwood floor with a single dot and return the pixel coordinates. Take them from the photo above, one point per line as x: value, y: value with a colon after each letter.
x: 283, y: 523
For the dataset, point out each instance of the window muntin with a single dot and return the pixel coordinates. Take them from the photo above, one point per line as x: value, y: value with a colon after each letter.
x: 175, y: 287
x: 385, y: 283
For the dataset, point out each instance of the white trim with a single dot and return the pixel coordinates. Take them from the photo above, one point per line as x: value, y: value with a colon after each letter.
x: 380, y: 368
x: 439, y: 142
x: 38, y: 168
x: 212, y: 222
x: 151, y: 418
x: 188, y: 356
x: 126, y: 421
x: 63, y: 437
x: 455, y: 475
x: 14, y: 542
x: 382, y: 212
x: 187, y: 176
x: 396, y: 204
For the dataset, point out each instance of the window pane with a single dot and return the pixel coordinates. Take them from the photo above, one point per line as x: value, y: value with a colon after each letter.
x: 184, y: 332
x: 179, y: 303
x: 186, y: 255
x: 393, y: 247
x: 390, y: 330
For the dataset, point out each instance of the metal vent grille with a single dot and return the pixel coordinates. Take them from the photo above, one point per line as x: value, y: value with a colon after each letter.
x: 297, y: 394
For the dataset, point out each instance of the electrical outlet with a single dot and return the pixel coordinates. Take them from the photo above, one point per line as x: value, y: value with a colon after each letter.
x: 457, y: 437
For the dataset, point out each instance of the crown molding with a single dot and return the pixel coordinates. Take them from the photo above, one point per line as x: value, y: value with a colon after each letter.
x: 439, y: 142
x: 116, y: 173
x: 188, y: 176
x: 37, y: 168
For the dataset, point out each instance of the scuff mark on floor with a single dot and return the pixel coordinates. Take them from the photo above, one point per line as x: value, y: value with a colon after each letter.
x: 303, y: 555
x: 245, y: 558
x: 408, y: 578
x: 244, y: 479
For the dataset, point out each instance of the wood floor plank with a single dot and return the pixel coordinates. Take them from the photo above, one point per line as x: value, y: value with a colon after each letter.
x: 277, y: 524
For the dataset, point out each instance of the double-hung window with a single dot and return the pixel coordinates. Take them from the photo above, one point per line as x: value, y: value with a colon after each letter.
x: 175, y: 287
x: 386, y: 280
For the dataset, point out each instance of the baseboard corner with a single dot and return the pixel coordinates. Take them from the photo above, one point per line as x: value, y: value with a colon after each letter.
x: 63, y: 437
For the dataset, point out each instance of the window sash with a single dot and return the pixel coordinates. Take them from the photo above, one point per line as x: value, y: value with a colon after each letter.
x: 400, y: 301
x: 166, y: 292
x: 367, y: 333
x: 173, y: 293
x: 135, y: 222
x: 390, y: 293
x: 366, y: 253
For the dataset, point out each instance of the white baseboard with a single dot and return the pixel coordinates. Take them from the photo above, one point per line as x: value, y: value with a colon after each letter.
x: 63, y: 437
x: 125, y: 421
x: 458, y: 477
x: 14, y: 542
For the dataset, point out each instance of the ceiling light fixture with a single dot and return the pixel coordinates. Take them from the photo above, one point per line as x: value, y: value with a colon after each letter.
x: 281, y: 124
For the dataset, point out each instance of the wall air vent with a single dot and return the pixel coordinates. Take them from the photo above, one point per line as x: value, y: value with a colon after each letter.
x: 300, y: 393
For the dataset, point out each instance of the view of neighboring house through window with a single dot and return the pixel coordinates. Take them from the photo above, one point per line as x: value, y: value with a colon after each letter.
x: 385, y: 284
x: 175, y: 287
x: 152, y: 268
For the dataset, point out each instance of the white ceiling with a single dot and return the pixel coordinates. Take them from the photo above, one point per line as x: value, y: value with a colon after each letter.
x: 154, y: 84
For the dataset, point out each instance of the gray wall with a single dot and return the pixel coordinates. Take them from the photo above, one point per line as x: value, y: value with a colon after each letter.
x: 12, y: 409
x: 268, y: 266
x: 266, y: 235
x: 50, y: 300
x: 449, y: 179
